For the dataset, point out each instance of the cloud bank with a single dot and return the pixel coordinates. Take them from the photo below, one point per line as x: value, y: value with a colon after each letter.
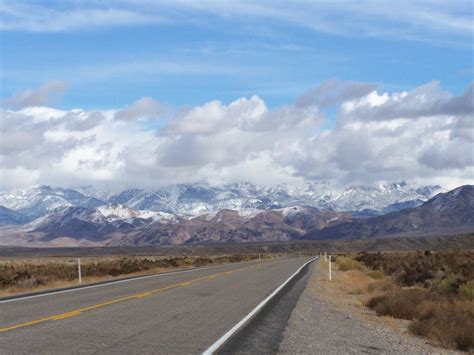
x: 424, y: 135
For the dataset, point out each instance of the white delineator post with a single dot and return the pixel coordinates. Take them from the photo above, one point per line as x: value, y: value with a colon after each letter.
x: 79, y: 270
x: 258, y: 256
x: 330, y: 271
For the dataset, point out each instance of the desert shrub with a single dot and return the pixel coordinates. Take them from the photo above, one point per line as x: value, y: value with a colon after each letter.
x: 447, y: 286
x: 422, y: 268
x: 443, y: 309
x: 376, y: 274
x: 202, y: 261
x: 467, y: 290
x: 384, y: 286
x: 399, y: 304
x: 356, y: 291
x: 28, y: 275
x: 12, y: 277
x: 449, y: 322
x: 346, y: 263
x: 27, y: 283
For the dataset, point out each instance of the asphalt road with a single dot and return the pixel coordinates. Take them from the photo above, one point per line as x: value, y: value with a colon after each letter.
x: 173, y: 313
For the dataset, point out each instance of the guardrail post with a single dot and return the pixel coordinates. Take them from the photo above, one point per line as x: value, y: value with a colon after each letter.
x: 79, y: 270
x: 330, y: 271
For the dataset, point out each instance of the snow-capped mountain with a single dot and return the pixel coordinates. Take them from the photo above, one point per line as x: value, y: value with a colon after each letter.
x: 245, y: 197
x: 77, y: 222
x: 116, y: 212
x: 198, y: 199
x: 114, y: 224
x: 10, y: 217
x: 445, y: 214
x: 64, y: 215
x: 38, y: 201
x: 81, y: 225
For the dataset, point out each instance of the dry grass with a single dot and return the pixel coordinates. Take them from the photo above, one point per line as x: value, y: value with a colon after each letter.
x: 449, y: 322
x: 56, y: 284
x: 381, y: 287
x: 422, y: 268
x: 348, y: 291
x: 356, y: 279
x: 439, y: 308
x: 439, y: 301
x: 28, y: 275
x: 446, y: 320
x: 401, y: 303
x: 345, y: 264
x: 466, y: 291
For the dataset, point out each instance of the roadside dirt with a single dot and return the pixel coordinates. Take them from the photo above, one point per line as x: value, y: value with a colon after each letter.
x: 330, y: 317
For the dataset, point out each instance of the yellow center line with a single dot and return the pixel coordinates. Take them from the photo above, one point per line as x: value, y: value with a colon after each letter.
x: 108, y: 303
x: 66, y: 315
x: 144, y: 294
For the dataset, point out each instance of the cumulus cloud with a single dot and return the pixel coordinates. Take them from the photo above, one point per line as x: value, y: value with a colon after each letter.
x: 144, y: 108
x: 447, y: 155
x: 332, y: 92
x: 31, y: 143
x: 463, y: 127
x: 47, y: 94
x: 78, y: 120
x: 423, y: 101
x: 246, y: 115
x: 424, y: 134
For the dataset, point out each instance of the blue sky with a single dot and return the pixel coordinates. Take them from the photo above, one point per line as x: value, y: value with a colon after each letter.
x: 140, y: 93
x: 180, y: 53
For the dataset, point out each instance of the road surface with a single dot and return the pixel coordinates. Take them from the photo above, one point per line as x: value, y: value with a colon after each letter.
x: 181, y: 312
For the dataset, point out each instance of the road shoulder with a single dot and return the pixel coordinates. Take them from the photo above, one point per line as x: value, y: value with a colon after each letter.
x: 326, y: 320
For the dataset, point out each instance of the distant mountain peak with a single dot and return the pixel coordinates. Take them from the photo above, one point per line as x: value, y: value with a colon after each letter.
x: 255, y: 220
x: 199, y: 198
x: 446, y: 213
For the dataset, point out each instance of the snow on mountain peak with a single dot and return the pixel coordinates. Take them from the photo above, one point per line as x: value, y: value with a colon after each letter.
x: 37, y: 201
x: 114, y: 212
x: 197, y: 199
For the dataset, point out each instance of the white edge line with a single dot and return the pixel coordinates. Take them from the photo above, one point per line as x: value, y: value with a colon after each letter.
x: 244, y: 320
x: 119, y: 281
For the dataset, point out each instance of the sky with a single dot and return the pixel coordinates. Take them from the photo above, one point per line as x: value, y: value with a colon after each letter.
x: 140, y: 93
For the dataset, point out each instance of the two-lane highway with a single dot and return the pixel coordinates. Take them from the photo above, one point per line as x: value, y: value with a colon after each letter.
x: 182, y: 312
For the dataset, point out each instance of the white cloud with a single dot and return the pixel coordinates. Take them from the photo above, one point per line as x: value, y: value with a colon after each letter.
x: 331, y: 92
x: 35, y: 17
x: 424, y: 134
x: 46, y: 94
x: 144, y: 108
x: 424, y: 101
x: 449, y: 154
x: 243, y: 115
x: 19, y: 177
x: 409, y: 20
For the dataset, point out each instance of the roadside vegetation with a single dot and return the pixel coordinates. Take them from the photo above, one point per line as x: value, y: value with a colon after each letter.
x: 433, y: 290
x: 34, y: 274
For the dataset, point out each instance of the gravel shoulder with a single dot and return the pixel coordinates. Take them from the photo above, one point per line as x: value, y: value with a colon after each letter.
x: 330, y: 321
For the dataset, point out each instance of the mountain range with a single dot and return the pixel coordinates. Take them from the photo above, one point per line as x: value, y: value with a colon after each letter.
x: 446, y: 213
x: 198, y: 199
x: 194, y: 214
